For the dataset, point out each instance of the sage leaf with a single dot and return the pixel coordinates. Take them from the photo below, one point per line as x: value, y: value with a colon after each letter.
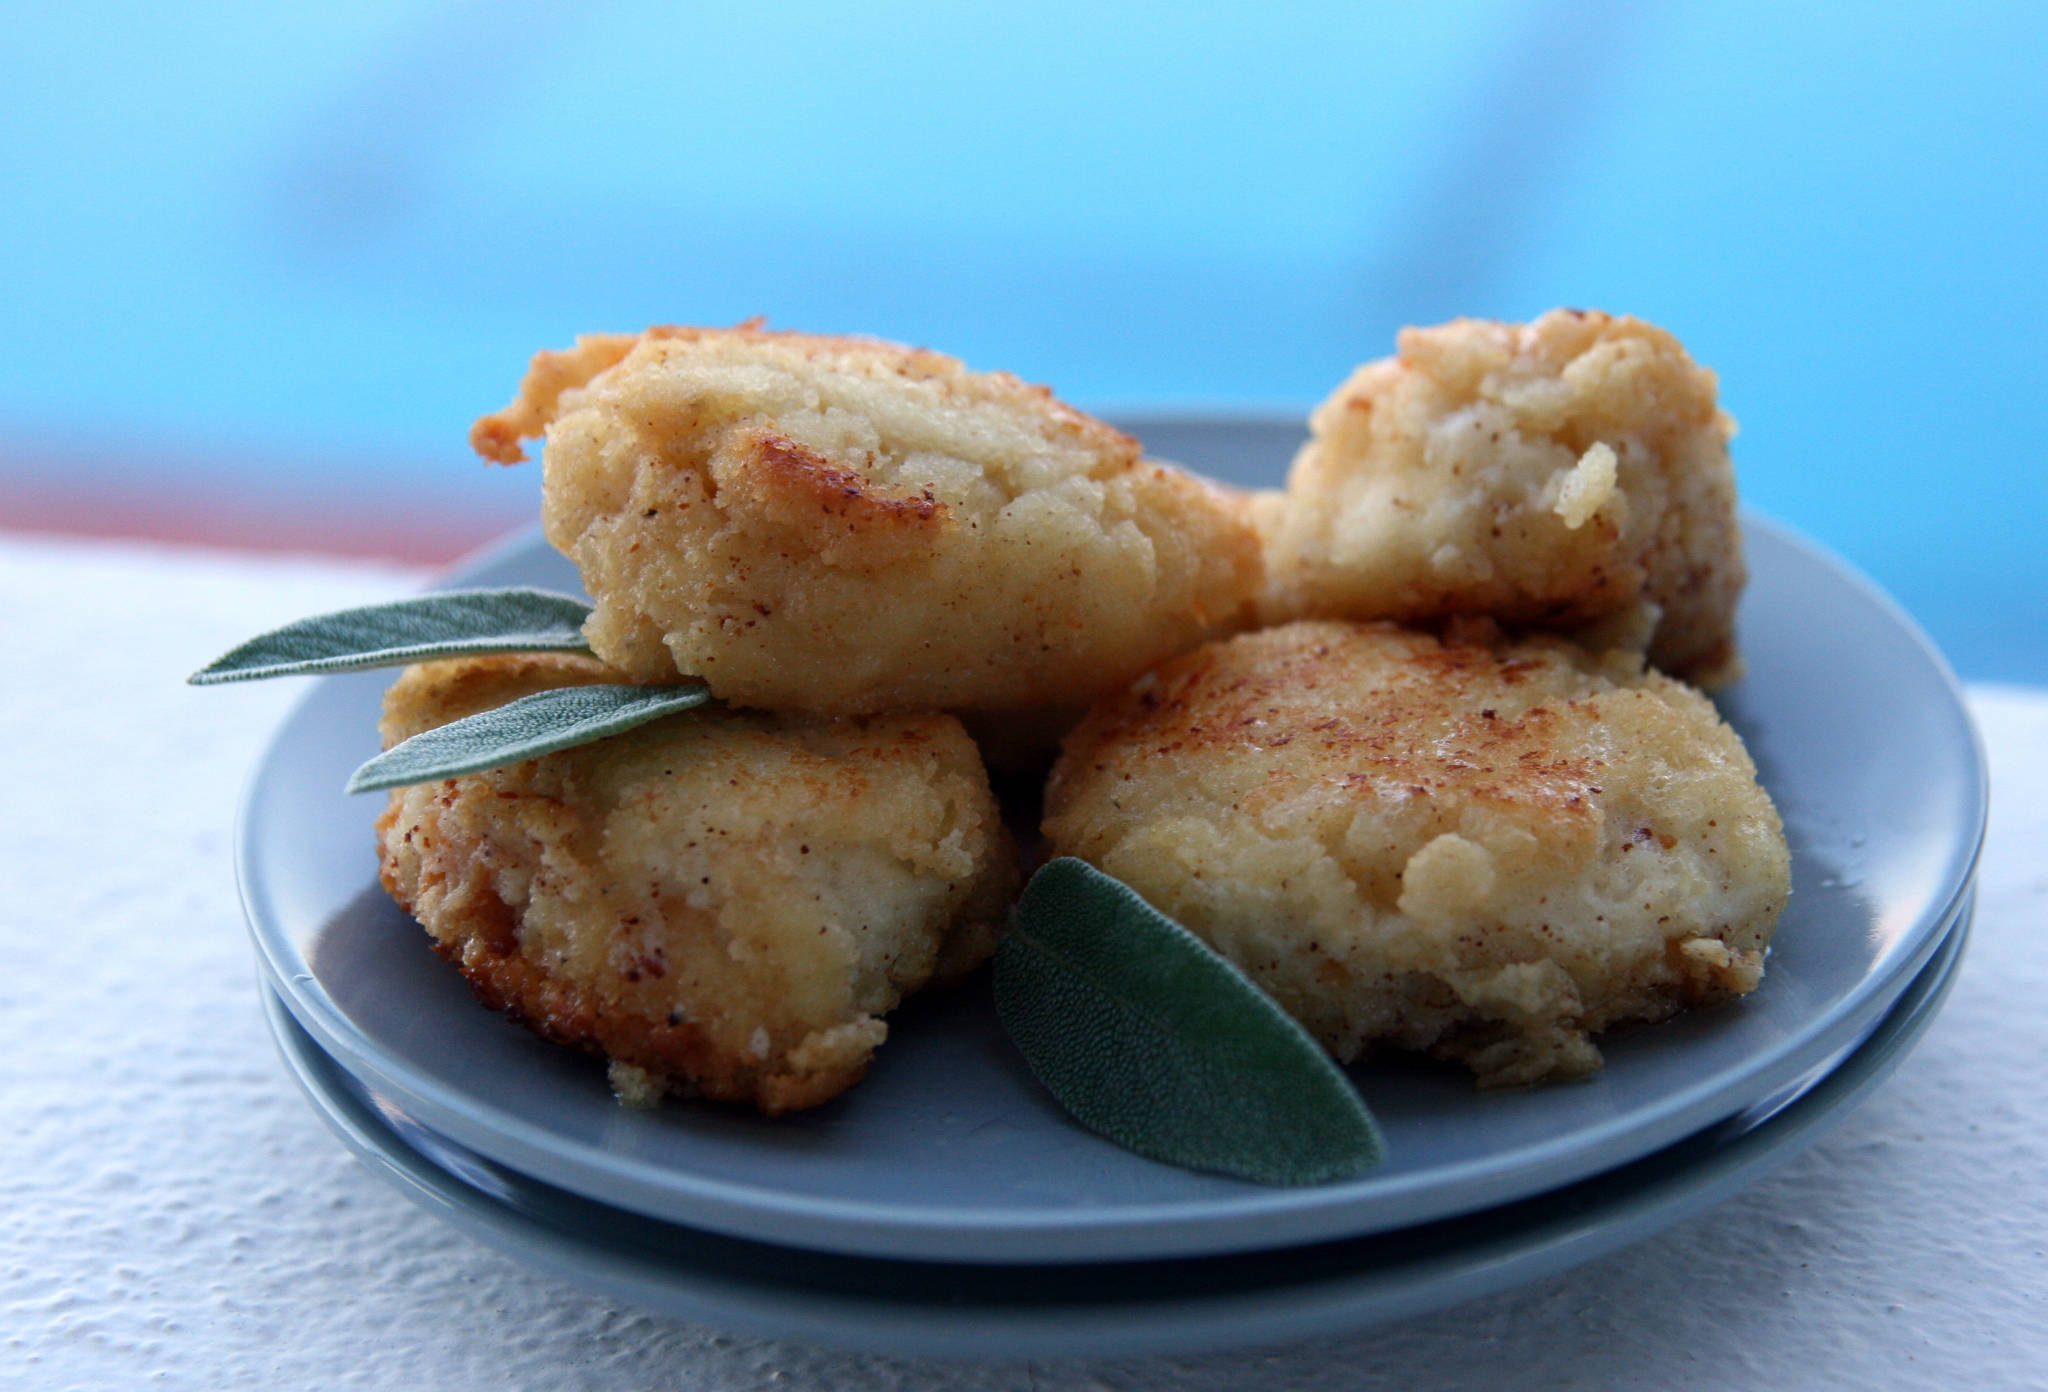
x: 1154, y: 1041
x: 451, y: 623
x: 523, y: 729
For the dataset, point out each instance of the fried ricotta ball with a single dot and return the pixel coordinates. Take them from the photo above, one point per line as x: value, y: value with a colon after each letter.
x: 721, y: 902
x: 1570, y: 475
x: 845, y: 526
x: 1491, y: 853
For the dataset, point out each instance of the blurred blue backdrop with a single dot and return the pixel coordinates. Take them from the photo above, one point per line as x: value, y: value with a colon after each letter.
x: 263, y: 260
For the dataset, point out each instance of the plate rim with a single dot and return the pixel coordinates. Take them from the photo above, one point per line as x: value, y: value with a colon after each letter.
x: 851, y: 1226
x: 1527, y: 1240
x: 1159, y: 1230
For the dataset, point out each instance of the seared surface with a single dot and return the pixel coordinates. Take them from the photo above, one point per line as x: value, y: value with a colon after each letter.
x: 1489, y: 852
x: 720, y: 902
x: 846, y: 526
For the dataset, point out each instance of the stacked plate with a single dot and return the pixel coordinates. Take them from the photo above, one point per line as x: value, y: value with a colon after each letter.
x: 946, y: 1206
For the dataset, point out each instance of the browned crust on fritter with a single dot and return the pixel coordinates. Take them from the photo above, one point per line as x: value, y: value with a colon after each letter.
x: 484, y: 947
x: 631, y: 956
x: 846, y: 520
x: 846, y: 526
x: 1490, y: 852
x: 481, y: 939
x: 497, y: 436
x: 1210, y: 700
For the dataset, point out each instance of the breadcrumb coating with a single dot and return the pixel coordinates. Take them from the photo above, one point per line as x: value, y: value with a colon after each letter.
x: 721, y: 902
x: 1491, y: 853
x: 845, y: 526
x: 1569, y: 475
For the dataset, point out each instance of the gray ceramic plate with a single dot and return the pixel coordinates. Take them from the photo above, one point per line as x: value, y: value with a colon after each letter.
x: 950, y: 1151
x: 1117, y: 1308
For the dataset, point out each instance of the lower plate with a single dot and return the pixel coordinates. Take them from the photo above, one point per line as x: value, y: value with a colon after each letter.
x: 939, y: 1309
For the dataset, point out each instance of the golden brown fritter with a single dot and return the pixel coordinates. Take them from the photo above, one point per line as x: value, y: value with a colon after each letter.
x: 1491, y: 853
x: 1569, y: 475
x: 721, y: 902
x: 845, y: 526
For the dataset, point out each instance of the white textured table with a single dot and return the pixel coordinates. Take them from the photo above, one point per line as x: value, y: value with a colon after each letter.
x: 172, y: 1214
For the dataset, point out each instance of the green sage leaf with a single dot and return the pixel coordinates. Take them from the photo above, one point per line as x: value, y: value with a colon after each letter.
x: 1154, y: 1041
x: 451, y: 623
x: 523, y: 729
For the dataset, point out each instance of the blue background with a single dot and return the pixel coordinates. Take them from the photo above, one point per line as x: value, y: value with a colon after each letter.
x: 253, y: 252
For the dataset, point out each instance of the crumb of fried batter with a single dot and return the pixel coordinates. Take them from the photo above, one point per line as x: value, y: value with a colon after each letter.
x: 845, y: 526
x: 723, y: 903
x: 1568, y: 475
x: 1492, y: 852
